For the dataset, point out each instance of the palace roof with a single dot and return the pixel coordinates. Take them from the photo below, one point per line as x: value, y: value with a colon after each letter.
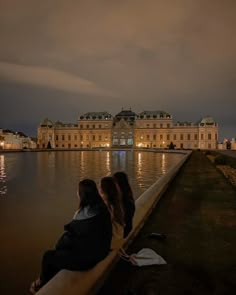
x: 154, y: 114
x: 207, y: 121
x: 126, y: 114
x: 96, y: 115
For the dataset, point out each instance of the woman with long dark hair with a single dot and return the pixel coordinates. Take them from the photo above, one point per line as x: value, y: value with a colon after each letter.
x: 127, y: 200
x: 86, y: 239
x: 111, y: 197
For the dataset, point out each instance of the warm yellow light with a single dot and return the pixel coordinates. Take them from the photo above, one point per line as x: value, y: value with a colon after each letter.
x: 2, y: 143
x: 108, y: 145
x: 140, y: 144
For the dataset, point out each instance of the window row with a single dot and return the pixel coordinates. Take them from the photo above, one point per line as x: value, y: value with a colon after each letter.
x: 81, y: 137
x: 177, y: 137
x: 161, y: 125
x: 93, y: 126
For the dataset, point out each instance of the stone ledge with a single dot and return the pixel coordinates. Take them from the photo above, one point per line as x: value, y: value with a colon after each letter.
x: 76, y: 282
x: 89, y: 282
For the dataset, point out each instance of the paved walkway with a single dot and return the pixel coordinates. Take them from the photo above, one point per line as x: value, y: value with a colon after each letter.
x: 198, y: 216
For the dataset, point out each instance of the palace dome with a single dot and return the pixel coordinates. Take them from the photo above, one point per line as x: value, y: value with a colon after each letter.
x: 46, y: 123
x: 126, y: 114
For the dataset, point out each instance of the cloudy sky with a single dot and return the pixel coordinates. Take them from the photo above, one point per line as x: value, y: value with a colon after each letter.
x: 61, y: 58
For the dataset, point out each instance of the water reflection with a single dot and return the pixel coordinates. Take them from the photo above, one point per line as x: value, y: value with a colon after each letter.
x: 3, y: 186
x: 108, y: 162
x: 163, y: 163
x: 151, y: 166
x: 46, y: 172
x: 139, y: 162
x: 82, y: 162
x: 139, y: 168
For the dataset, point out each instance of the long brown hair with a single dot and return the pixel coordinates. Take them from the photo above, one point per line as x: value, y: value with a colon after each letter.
x: 121, y: 179
x: 108, y: 187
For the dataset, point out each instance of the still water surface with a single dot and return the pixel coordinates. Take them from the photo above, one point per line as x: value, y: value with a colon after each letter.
x: 38, y: 196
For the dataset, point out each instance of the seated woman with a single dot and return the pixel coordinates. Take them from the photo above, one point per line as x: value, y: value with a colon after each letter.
x: 127, y: 200
x: 86, y: 239
x: 110, y: 195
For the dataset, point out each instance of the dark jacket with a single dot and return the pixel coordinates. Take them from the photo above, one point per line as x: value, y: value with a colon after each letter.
x: 87, y: 241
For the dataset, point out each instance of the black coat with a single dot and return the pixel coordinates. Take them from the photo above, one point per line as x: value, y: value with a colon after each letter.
x: 83, y: 244
x: 89, y: 238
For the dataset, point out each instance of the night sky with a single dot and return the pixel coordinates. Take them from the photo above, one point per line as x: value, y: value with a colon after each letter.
x: 62, y: 58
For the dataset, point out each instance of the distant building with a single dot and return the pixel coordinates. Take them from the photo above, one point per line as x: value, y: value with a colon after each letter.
x: 10, y: 140
x: 148, y: 129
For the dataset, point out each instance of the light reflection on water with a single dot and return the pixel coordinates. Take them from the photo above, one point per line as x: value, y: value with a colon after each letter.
x: 38, y: 196
x: 163, y: 163
x: 3, y: 187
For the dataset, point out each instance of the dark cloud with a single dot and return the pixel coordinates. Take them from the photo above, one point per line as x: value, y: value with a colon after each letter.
x: 178, y: 56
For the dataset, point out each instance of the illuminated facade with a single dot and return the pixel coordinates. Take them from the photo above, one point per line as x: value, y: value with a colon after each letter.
x: 148, y: 129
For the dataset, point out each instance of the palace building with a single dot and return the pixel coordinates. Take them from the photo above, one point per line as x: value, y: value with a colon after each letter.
x: 148, y: 129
